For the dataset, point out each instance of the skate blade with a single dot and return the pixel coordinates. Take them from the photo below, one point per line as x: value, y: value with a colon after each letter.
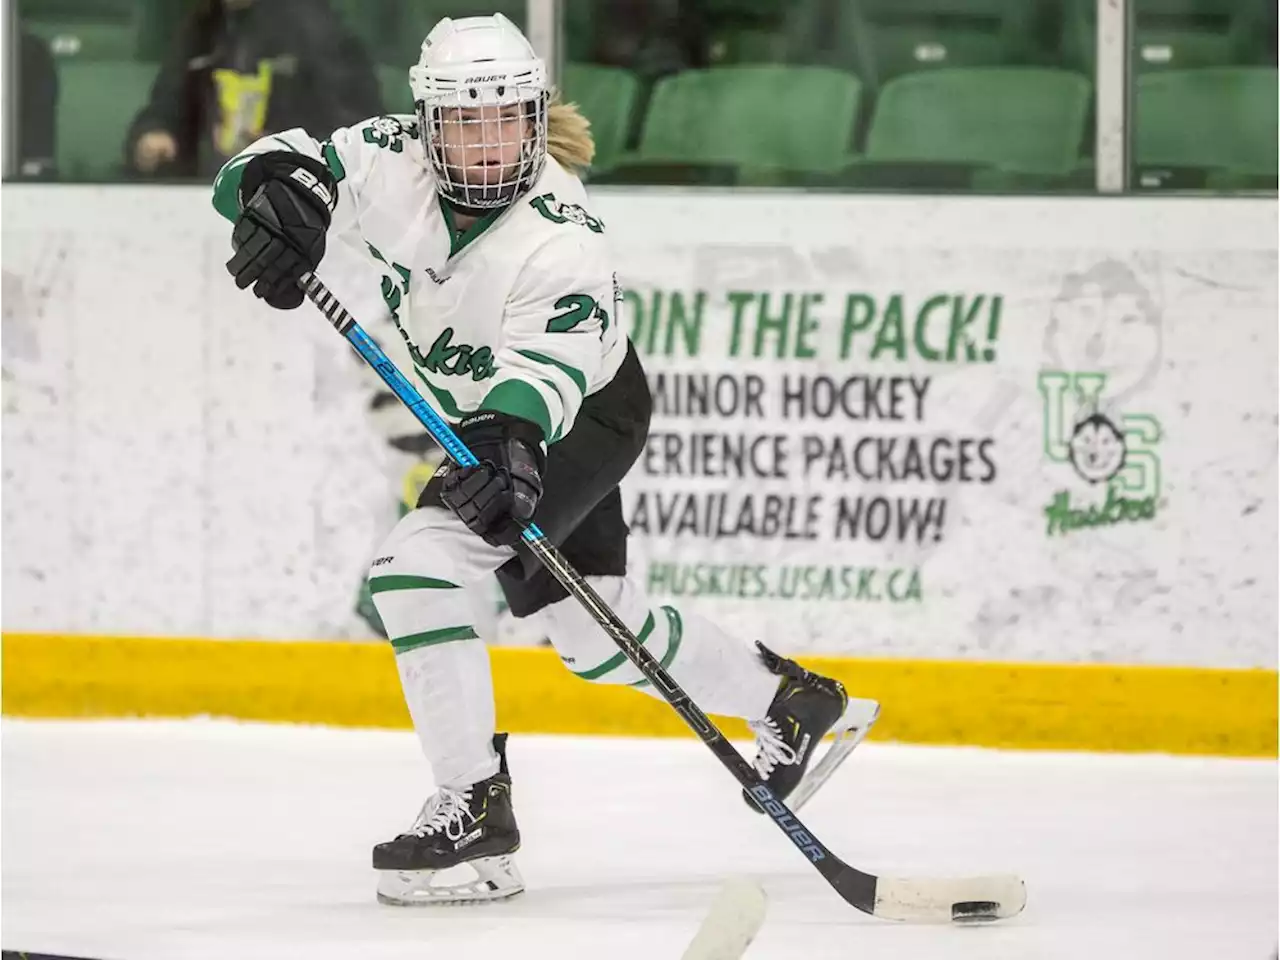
x: 496, y: 878
x: 850, y: 730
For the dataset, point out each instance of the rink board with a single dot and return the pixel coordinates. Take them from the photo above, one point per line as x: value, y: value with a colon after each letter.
x: 901, y: 485
x: 1100, y: 707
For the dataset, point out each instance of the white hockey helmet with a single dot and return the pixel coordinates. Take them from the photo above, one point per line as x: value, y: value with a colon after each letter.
x: 483, y: 62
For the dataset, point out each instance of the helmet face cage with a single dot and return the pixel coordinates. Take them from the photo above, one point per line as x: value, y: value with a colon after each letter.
x: 505, y: 149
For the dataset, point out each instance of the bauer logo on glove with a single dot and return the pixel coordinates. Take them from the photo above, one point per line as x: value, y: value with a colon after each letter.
x: 496, y: 496
x: 286, y: 203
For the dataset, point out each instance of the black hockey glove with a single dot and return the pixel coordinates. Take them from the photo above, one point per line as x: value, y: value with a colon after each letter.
x: 507, y: 484
x: 286, y: 203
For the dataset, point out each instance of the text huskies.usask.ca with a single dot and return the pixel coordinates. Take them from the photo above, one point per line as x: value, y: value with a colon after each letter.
x: 786, y: 582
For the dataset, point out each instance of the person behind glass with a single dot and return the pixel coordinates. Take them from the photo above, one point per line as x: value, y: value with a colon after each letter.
x: 243, y: 69
x: 37, y: 108
x: 651, y: 38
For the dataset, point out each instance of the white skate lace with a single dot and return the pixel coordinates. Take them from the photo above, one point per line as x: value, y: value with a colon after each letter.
x: 771, y: 749
x: 444, y: 812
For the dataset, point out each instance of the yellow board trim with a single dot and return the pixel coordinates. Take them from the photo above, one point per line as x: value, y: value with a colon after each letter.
x: 1096, y: 707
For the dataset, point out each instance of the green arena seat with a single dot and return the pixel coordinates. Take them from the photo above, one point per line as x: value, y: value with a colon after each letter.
x: 905, y: 36
x: 86, y: 29
x: 1220, y: 121
x: 87, y: 39
x: 1178, y: 34
x: 1027, y: 120
x: 607, y: 97
x: 798, y: 119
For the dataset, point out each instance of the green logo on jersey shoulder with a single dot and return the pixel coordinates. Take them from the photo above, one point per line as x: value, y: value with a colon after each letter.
x: 558, y: 212
x: 389, y: 133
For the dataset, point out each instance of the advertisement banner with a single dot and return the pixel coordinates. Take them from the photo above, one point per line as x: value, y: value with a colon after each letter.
x: 964, y: 428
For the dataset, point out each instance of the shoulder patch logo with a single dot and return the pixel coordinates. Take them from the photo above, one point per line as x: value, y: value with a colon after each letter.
x: 557, y: 212
x: 389, y: 133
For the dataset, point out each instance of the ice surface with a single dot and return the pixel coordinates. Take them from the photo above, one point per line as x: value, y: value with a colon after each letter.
x: 203, y: 839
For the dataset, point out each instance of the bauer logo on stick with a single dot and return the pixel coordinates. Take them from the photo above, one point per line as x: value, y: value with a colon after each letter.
x: 794, y: 829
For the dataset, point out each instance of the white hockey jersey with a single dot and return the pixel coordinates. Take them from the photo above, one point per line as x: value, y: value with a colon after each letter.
x: 515, y: 314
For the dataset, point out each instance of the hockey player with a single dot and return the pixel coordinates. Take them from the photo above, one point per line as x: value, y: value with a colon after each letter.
x: 498, y: 279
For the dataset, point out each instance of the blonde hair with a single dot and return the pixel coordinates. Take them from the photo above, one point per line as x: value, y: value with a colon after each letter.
x: 569, y: 136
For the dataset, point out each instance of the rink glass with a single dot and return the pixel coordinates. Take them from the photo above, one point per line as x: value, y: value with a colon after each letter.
x: 1004, y: 96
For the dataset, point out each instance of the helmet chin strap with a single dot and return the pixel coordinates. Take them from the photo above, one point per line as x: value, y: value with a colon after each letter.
x: 471, y: 211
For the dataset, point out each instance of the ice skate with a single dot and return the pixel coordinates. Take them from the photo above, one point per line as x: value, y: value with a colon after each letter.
x: 459, y: 849
x: 806, y: 708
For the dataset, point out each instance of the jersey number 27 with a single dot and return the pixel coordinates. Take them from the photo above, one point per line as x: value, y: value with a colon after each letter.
x: 577, y: 307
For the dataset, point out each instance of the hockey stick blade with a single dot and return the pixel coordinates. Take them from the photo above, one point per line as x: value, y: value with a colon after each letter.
x: 733, y: 921
x: 964, y: 900
x: 857, y: 888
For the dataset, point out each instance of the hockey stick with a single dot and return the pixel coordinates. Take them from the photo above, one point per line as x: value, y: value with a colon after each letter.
x: 919, y: 900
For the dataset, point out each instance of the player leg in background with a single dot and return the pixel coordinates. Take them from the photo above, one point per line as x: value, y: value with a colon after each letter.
x: 790, y: 709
